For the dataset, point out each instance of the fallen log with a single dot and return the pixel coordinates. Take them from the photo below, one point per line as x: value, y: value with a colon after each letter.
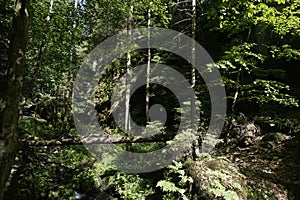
x: 99, y: 140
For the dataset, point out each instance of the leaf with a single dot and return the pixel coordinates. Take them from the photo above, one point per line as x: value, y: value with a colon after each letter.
x: 168, y: 186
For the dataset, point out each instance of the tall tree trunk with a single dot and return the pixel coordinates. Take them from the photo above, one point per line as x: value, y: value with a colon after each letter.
x: 10, y: 98
x: 148, y: 68
x: 193, y: 79
x: 127, y: 84
x: 193, y: 74
x: 72, y: 49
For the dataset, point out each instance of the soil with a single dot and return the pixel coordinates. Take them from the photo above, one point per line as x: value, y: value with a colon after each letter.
x: 271, y: 164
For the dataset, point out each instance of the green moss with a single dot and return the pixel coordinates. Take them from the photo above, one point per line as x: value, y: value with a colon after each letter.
x: 217, y: 177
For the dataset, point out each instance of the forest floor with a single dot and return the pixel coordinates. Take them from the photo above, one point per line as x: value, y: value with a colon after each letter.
x: 271, y: 163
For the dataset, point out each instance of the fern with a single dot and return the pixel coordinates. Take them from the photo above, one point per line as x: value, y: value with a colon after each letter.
x: 168, y: 186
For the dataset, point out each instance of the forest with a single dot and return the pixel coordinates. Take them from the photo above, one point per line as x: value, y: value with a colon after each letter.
x: 152, y: 99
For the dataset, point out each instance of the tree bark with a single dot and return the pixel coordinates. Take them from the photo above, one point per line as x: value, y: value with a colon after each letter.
x: 10, y: 98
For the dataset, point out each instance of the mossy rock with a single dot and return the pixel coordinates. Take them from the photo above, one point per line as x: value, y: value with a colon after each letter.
x: 274, y: 136
x: 218, y: 178
x: 272, y: 139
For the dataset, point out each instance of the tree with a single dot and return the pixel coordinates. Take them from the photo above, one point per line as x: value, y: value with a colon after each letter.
x: 42, y: 45
x: 10, y: 100
x: 148, y: 66
x: 127, y: 125
x: 256, y: 46
x: 252, y: 73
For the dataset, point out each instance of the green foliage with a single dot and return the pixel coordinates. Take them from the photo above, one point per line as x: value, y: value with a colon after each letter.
x: 57, y: 173
x: 281, y: 16
x: 116, y: 17
x: 246, y: 62
x: 218, y: 177
x: 169, y: 188
x: 131, y: 186
x: 265, y: 91
x: 240, y: 56
x: 125, y: 186
x: 288, y: 124
x: 244, y: 68
x: 286, y: 52
x: 177, y: 182
x: 6, y: 14
x: 260, y: 43
x: 52, y: 42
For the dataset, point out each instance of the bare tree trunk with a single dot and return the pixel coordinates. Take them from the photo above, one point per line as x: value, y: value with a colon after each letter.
x: 148, y: 68
x: 193, y: 74
x: 127, y: 84
x: 72, y: 49
x: 10, y: 98
x: 193, y: 79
